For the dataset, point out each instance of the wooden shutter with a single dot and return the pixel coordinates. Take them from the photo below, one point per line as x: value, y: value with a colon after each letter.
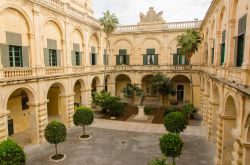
x: 122, y: 51
x: 25, y: 56
x: 223, y: 40
x: 58, y: 57
x: 13, y: 39
x: 5, y: 55
x: 242, y: 24
x: 51, y: 44
x: 80, y: 57
x: 73, y: 57
x: 156, y: 59
x: 175, y: 59
x: 127, y: 60
x: 117, y: 60
x: 46, y: 57
x: 150, y: 51
x: 145, y: 59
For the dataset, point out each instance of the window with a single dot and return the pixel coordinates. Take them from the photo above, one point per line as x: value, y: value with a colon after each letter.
x: 78, y: 62
x: 212, y: 51
x: 105, y: 57
x: 150, y: 58
x: 240, y: 41
x: 52, y: 57
x: 179, y: 58
x: 122, y: 58
x: 93, y: 57
x: 15, y: 56
x: 222, y: 49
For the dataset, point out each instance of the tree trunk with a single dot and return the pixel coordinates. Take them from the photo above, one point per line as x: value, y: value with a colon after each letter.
x: 56, y: 148
x: 173, y: 160
x: 83, y: 127
x: 163, y: 100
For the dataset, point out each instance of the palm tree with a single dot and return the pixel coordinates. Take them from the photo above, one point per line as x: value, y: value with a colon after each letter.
x: 189, y: 43
x: 131, y: 90
x: 163, y: 86
x: 109, y: 22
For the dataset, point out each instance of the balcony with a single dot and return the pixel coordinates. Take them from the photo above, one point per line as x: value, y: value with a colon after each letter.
x: 160, y: 27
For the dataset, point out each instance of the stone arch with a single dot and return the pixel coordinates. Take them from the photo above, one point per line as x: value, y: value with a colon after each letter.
x: 149, y: 43
x: 77, y: 29
x: 56, y: 22
x: 79, y: 89
x: 123, y: 39
x: 96, y: 84
x: 121, y: 81
x: 216, y: 93
x: 230, y: 106
x: 221, y: 17
x: 151, y: 38
x: 61, y: 85
x: 146, y: 84
x: 21, y: 117
x: 77, y: 37
x: 21, y: 11
x: 123, y: 44
x: 94, y: 37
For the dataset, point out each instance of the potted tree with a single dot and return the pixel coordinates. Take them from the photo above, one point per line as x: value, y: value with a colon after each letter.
x: 55, y: 133
x: 11, y: 153
x: 83, y: 117
x: 130, y: 91
x: 171, y: 145
x: 175, y: 122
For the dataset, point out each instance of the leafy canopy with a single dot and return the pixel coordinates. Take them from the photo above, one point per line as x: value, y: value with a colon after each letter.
x: 11, y: 153
x: 175, y: 122
x: 109, y: 22
x: 162, y: 84
x: 55, y: 132
x: 189, y: 43
x: 83, y: 116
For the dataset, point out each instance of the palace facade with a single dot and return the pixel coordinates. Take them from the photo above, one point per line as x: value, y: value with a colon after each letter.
x: 53, y: 54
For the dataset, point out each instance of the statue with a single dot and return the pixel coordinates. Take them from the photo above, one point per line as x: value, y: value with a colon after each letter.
x: 151, y: 16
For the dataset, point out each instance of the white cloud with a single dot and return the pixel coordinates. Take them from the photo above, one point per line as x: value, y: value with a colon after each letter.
x: 174, y: 10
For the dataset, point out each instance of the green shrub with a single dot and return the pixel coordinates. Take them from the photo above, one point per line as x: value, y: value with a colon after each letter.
x: 158, y: 161
x: 55, y: 132
x: 116, y: 109
x: 11, y: 153
x: 171, y: 145
x: 105, y: 100
x: 148, y: 110
x: 171, y: 109
x: 189, y: 110
x: 175, y: 122
x: 83, y: 117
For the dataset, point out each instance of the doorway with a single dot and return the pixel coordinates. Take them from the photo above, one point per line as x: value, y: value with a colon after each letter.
x: 180, y: 93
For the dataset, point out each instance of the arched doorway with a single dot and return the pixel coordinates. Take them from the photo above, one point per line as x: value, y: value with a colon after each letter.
x: 183, y: 89
x: 57, y: 103
x: 229, y: 123
x: 20, y: 117
x: 79, y: 98
x: 121, y: 82
x: 107, y: 80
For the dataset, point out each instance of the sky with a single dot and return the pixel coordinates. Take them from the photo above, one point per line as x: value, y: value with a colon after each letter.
x: 128, y: 11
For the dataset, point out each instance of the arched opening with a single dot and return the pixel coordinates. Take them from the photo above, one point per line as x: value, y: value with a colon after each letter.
x: 80, y: 95
x: 215, y: 110
x: 77, y: 48
x: 123, y: 48
x: 121, y: 82
x: 57, y: 106
x: 107, y: 81
x: 150, y: 50
x: 229, y: 123
x: 20, y: 117
x: 94, y: 50
x: 183, y: 90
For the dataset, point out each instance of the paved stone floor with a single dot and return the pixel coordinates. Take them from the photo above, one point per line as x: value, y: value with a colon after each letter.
x: 115, y: 147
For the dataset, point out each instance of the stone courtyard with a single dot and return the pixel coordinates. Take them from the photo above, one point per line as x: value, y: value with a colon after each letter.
x: 123, y: 143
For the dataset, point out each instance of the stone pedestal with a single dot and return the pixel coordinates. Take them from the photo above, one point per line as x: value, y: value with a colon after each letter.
x: 141, y: 114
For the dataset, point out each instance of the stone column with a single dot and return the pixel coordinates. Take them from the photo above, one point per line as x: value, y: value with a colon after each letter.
x: 111, y: 88
x: 205, y: 109
x: 218, y: 157
x: 214, y: 120
x: 237, y: 153
x: 99, y: 88
x: 209, y: 119
x: 39, y: 121
x: 66, y: 109
x: 246, y: 153
x: 88, y: 97
x: 4, y: 125
x: 84, y: 99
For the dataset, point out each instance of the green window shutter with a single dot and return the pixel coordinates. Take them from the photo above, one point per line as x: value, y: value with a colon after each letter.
x: 73, y: 56
x: 242, y: 24
x: 122, y: 51
x: 76, y: 47
x: 127, y: 60
x: 58, y: 57
x: 96, y: 58
x: 236, y: 48
x: 178, y: 51
x: 186, y: 61
x: 46, y: 57
x: 13, y: 39
x: 223, y: 36
x: 145, y: 59
x: 5, y: 55
x: 222, y: 53
x: 156, y: 59
x: 80, y: 54
x: 25, y: 56
x: 150, y: 51
x: 175, y: 59
x: 51, y: 44
x: 117, y: 60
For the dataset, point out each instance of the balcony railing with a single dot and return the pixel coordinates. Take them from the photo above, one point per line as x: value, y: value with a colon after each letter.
x: 165, y: 26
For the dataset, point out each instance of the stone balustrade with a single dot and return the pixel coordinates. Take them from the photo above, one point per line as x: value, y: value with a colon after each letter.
x: 165, y: 26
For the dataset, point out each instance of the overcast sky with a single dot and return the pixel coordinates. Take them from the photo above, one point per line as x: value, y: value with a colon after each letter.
x: 128, y: 11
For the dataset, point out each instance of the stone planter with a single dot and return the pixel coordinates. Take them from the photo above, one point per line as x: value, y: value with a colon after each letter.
x: 59, y: 160
x: 141, y: 114
x: 86, y: 138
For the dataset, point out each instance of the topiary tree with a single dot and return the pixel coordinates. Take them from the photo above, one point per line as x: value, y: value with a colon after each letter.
x: 175, y: 122
x: 189, y: 110
x: 11, y: 153
x: 83, y: 117
x: 171, y: 145
x: 55, y: 133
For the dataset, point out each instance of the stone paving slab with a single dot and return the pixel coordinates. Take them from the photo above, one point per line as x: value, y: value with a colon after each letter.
x: 145, y: 127
x: 112, y: 147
